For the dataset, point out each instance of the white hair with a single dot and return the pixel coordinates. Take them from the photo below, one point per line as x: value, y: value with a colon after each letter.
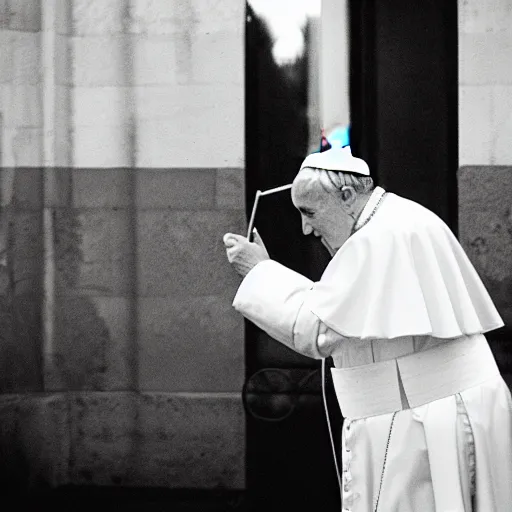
x: 334, y: 181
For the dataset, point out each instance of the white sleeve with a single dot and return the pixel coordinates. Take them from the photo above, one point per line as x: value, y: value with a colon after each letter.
x: 272, y: 296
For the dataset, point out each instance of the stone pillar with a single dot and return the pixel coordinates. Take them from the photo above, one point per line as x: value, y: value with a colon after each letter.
x: 485, y: 151
x: 334, y: 71
x: 34, y: 439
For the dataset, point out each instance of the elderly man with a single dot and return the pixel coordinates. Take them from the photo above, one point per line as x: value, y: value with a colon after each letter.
x: 402, y: 312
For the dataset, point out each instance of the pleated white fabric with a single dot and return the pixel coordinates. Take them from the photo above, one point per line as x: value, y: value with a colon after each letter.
x: 451, y: 455
x: 404, y: 273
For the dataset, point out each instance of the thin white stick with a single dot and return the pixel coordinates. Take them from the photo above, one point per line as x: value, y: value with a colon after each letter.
x: 253, y: 214
x: 259, y: 193
x: 274, y: 190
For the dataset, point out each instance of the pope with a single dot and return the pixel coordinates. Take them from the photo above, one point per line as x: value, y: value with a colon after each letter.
x: 403, y: 314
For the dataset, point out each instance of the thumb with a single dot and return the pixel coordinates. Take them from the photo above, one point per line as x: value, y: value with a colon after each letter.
x: 257, y: 238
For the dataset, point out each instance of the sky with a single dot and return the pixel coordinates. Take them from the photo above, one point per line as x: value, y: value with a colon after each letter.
x: 286, y: 19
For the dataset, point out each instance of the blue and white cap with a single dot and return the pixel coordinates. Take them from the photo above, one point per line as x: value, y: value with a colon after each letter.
x: 337, y: 159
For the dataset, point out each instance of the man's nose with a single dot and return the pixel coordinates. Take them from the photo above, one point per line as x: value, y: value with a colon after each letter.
x: 306, y: 228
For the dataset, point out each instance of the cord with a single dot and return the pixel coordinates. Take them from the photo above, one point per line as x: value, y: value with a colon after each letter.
x: 324, y: 396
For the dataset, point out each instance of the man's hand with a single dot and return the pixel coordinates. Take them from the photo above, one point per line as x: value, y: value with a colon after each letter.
x: 244, y: 255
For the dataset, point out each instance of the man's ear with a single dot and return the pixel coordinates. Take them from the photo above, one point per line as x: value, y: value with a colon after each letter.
x: 348, y: 195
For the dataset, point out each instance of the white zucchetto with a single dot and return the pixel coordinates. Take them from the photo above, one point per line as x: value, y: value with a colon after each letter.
x: 337, y: 159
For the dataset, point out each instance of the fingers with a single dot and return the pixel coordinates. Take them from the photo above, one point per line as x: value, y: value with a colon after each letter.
x: 231, y: 253
x: 231, y: 239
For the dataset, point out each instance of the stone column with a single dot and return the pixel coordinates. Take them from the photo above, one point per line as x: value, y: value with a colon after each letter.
x: 334, y: 71
x: 485, y: 153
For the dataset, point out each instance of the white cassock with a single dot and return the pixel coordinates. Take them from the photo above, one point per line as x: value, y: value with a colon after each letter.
x: 402, y: 312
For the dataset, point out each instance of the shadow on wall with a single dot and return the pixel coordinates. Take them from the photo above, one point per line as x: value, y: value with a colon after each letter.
x: 75, y: 358
x: 81, y: 336
x: 141, y: 292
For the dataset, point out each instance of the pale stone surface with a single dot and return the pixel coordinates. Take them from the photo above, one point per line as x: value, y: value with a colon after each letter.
x: 23, y: 106
x: 190, y: 344
x: 485, y: 54
x: 161, y: 17
x: 27, y: 147
x: 26, y: 55
x: 158, y: 439
x: 181, y: 253
x: 63, y: 61
x: 155, y: 61
x: 99, y: 17
x: 485, y: 58
x: 190, y: 126
x: 101, y: 60
x: 22, y: 15
x: 485, y: 229
x: 102, y: 146
x: 176, y: 188
x: 201, y: 141
x: 484, y: 16
x: 502, y: 124
x: 475, y: 125
x: 63, y: 16
x: 193, y: 105
x: 63, y: 127
x: 101, y: 106
x: 34, y: 440
x: 213, y: 15
x: 218, y: 57
x: 6, y: 61
x: 230, y: 191
x: 19, y: 58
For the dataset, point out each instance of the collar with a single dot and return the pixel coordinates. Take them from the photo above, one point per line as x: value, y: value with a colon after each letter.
x: 369, y: 208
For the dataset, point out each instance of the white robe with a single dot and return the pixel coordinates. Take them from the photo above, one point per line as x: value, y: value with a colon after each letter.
x: 450, y: 455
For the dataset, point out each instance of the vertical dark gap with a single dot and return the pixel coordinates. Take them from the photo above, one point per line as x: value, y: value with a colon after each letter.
x: 282, y: 471
x: 363, y: 83
x: 416, y: 63
x: 452, y: 74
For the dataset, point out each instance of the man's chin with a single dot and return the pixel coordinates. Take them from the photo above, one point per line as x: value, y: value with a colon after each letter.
x: 326, y: 244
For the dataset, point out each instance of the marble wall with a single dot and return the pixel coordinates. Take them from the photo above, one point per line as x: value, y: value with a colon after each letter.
x: 122, y: 154
x: 485, y: 151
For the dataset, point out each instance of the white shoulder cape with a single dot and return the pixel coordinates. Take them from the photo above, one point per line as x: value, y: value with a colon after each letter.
x: 403, y: 274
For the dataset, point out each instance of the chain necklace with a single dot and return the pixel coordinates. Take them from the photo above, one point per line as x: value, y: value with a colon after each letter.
x: 384, y: 463
x: 364, y: 217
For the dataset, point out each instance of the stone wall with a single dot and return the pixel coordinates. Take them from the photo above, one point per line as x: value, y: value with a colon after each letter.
x: 122, y: 153
x: 485, y: 82
x: 485, y: 151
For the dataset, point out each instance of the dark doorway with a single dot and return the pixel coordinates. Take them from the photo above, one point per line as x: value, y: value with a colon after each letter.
x: 404, y: 98
x: 289, y: 463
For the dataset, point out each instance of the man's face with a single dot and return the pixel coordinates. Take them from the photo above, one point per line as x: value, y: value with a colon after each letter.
x: 322, y: 212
